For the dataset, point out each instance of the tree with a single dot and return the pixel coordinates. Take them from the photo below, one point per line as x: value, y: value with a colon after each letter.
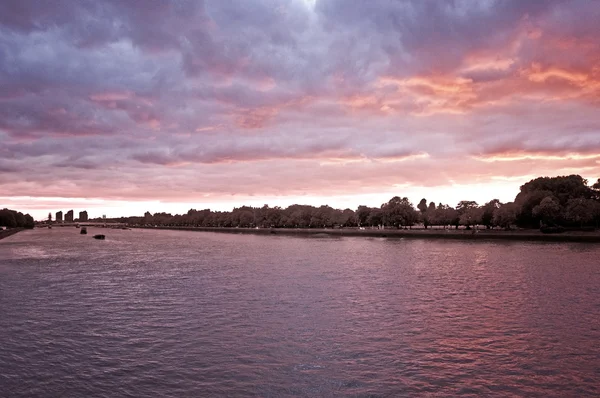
x: 596, y: 214
x: 346, y: 218
x: 29, y: 223
x: 580, y: 210
x: 375, y: 217
x: 148, y: 218
x: 471, y: 216
x: 453, y: 216
x: 15, y: 219
x: 274, y: 217
x: 422, y: 206
x: 525, y: 204
x: 561, y: 188
x: 7, y: 218
x: 399, y: 212
x: 487, y: 215
x: 362, y: 214
x: 425, y: 216
x: 445, y: 215
x: 468, y: 213
x: 548, y: 211
x: 19, y: 218
x: 242, y: 217
x: 505, y: 215
x: 549, y: 200
x: 465, y: 205
x: 596, y: 189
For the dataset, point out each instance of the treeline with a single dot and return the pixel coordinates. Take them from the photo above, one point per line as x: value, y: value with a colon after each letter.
x: 15, y: 219
x: 557, y: 201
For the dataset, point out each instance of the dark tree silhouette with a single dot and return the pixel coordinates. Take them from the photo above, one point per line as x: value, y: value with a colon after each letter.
x: 563, y: 200
x: 505, y: 216
x: 487, y: 215
x: 399, y: 212
x: 548, y: 210
x: 14, y: 219
x: 425, y: 216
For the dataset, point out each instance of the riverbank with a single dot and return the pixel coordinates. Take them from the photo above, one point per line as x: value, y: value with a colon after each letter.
x: 8, y: 232
x: 519, y: 235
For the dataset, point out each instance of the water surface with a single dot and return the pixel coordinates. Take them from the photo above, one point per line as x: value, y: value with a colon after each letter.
x: 176, y: 314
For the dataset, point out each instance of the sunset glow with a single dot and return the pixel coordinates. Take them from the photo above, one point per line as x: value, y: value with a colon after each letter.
x: 121, y: 107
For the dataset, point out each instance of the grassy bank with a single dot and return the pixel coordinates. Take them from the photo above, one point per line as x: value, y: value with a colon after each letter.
x: 8, y: 232
x: 520, y: 235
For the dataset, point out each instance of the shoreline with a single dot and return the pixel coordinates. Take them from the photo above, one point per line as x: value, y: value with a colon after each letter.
x: 9, y: 232
x: 523, y: 235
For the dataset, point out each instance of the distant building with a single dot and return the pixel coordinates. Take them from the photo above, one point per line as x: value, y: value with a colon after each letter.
x: 83, y: 216
x: 69, y: 216
x: 58, y: 217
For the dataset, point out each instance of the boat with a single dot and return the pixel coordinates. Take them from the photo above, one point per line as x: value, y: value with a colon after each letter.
x: 83, y: 231
x: 100, y: 237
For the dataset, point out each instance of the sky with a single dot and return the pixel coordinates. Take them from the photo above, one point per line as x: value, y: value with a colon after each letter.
x: 121, y: 106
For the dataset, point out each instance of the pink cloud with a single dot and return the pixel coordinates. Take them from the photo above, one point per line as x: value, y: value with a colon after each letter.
x: 174, y: 101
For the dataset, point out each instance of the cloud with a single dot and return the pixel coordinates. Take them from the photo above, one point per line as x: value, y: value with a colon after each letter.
x: 164, y: 100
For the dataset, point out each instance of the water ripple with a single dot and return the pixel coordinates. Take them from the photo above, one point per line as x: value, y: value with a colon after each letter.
x: 175, y: 314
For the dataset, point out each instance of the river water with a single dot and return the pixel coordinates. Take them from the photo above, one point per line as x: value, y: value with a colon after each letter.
x: 187, y: 314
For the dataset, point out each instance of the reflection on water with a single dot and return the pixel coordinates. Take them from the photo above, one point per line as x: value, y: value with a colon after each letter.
x: 173, y: 313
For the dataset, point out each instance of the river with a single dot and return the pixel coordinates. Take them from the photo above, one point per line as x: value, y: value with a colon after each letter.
x: 187, y: 314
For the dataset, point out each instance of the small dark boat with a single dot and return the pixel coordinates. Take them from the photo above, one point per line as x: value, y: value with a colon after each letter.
x: 83, y: 231
x: 101, y: 237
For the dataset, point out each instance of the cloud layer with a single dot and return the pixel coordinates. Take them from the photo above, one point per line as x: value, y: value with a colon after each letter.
x: 180, y: 101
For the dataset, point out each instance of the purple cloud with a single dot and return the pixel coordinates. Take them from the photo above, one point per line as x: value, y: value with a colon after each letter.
x: 266, y: 97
